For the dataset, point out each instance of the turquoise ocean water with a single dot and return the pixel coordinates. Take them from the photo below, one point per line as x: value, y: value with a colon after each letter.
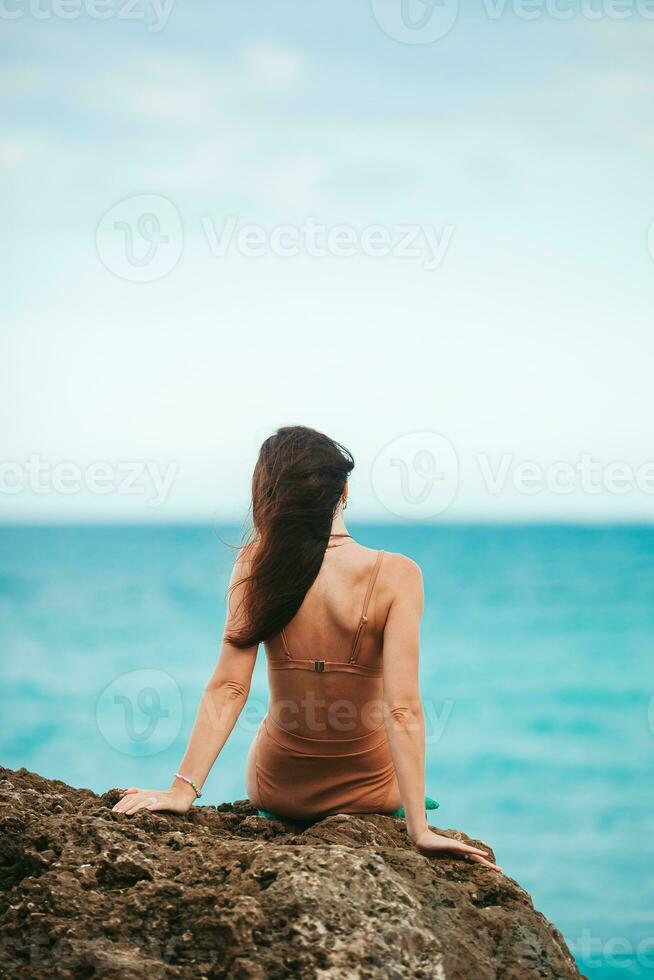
x: 538, y: 645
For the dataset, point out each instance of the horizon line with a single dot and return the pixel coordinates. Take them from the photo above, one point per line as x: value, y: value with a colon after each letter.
x: 636, y: 522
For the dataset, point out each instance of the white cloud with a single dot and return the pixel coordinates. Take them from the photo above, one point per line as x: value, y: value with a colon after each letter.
x: 12, y: 154
x: 294, y: 183
x: 273, y: 65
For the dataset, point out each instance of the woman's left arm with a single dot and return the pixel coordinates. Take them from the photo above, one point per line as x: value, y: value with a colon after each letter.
x: 220, y: 707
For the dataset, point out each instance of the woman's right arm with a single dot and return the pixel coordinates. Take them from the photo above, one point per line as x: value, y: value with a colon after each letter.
x: 220, y: 706
x: 403, y: 713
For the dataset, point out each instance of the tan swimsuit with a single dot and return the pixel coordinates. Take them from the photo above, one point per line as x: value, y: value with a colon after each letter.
x: 322, y: 747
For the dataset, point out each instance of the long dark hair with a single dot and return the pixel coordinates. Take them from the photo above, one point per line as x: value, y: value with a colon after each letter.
x: 297, y: 483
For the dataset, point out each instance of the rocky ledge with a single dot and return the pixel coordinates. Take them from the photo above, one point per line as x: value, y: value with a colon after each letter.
x: 223, y: 893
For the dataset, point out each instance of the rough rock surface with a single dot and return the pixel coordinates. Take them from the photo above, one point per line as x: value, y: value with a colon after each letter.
x: 223, y: 893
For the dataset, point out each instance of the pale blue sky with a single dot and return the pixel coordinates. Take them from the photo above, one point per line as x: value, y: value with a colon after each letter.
x: 531, y: 141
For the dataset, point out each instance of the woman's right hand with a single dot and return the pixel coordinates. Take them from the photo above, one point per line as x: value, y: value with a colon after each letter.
x: 429, y: 843
x: 180, y: 799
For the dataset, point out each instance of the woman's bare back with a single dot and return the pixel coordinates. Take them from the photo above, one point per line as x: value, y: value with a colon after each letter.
x: 326, y: 623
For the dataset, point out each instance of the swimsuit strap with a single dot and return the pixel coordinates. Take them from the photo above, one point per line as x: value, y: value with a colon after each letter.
x: 362, y: 622
x: 364, y: 613
x: 282, y: 633
x: 324, y: 666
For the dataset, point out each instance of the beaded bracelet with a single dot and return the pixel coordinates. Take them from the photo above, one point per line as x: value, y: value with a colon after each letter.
x: 198, y: 794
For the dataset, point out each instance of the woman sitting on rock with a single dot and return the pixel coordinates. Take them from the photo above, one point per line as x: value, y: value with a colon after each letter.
x: 344, y: 732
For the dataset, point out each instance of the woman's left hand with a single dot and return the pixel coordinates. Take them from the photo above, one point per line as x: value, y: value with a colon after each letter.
x: 178, y: 800
x: 429, y: 843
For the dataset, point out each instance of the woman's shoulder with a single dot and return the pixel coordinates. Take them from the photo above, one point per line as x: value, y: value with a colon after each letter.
x: 243, y: 561
x: 401, y: 572
x: 400, y: 584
